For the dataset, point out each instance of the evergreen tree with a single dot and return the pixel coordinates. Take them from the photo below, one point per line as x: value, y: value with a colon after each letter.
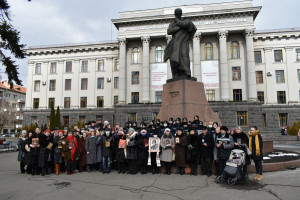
x: 52, y: 118
x: 57, y: 117
x: 9, y: 44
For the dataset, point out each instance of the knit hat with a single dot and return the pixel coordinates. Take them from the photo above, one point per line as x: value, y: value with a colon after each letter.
x: 167, y: 129
x: 224, y: 128
x: 131, y: 129
x: 24, y: 132
x: 47, y: 130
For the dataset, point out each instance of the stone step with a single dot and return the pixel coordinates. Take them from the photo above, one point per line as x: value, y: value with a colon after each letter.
x: 272, y: 137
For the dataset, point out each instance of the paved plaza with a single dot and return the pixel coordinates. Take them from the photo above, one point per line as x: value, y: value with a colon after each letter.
x: 284, y: 185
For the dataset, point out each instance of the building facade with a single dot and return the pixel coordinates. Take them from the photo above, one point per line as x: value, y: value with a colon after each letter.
x: 257, y: 72
x: 12, y: 103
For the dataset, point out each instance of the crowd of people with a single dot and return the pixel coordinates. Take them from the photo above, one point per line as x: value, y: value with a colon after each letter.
x: 101, y: 147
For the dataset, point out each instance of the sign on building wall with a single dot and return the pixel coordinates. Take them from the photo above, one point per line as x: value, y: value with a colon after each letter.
x: 210, y: 74
x: 158, y: 76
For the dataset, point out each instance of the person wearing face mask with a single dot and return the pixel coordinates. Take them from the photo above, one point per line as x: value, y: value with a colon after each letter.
x: 20, y: 144
x: 46, y: 148
x: 206, y: 142
x: 153, y: 156
x: 120, y: 146
x: 195, y: 122
x: 185, y: 126
x: 193, y: 151
x: 131, y: 151
x: 57, y: 145
x: 91, y: 151
x: 142, y: 150
x: 82, y: 151
x: 134, y: 126
x: 224, y: 145
x: 107, y: 142
x: 70, y: 150
x: 181, y: 144
x: 150, y: 127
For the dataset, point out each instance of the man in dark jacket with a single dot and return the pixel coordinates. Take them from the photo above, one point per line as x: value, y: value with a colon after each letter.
x: 107, y: 142
x: 35, y: 150
x: 207, y: 145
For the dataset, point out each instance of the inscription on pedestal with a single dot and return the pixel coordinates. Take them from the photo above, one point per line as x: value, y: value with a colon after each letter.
x: 174, y: 94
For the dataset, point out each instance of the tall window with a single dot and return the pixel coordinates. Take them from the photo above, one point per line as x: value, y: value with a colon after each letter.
x: 264, y: 117
x: 237, y: 94
x: 68, y: 83
x: 38, y: 67
x: 279, y: 76
x: 261, y: 96
x: 278, y: 55
x: 257, y: 56
x: 36, y: 103
x: 210, y: 95
x: 82, y: 119
x: 297, y: 55
x: 52, y: 85
x: 236, y: 73
x: 100, y: 83
x: 242, y: 118
x: 131, y: 117
x: 101, y: 65
x: 298, y: 73
x: 51, y: 103
x: 299, y: 95
x: 69, y: 66
x: 84, y: 84
x: 281, y: 97
x: 53, y: 68
x: 235, y: 50
x: 67, y: 102
x: 84, y: 66
x: 116, y: 65
x: 34, y: 120
x: 159, y: 54
x: 83, y: 102
x: 100, y: 102
x: 208, y: 49
x: 66, y: 121
x: 135, y: 55
x: 259, y: 77
x: 283, y: 118
x: 134, y: 97
x: 158, y: 96
x: 116, y: 100
x: 135, y: 78
x: 116, y: 82
x: 37, y: 86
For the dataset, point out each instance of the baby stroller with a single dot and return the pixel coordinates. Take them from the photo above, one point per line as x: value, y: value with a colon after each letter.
x: 233, y: 170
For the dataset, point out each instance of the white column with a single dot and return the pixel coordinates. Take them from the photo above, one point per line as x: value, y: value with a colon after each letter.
x: 75, y: 87
x: 252, y: 93
x: 292, y: 95
x: 122, y: 71
x: 44, y: 89
x: 197, y: 57
x: 30, y: 85
x: 146, y: 69
x: 59, y: 99
x: 92, y: 84
x: 224, y: 89
x: 169, y: 72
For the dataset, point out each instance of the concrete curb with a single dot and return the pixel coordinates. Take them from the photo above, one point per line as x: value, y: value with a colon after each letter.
x: 270, y: 167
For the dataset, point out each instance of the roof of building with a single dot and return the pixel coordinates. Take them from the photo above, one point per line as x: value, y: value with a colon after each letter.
x: 16, y: 88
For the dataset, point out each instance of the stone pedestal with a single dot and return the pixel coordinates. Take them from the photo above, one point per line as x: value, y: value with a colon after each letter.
x: 186, y: 98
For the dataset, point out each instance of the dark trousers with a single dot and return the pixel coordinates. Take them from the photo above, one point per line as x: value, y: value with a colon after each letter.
x: 258, y: 166
x: 206, y: 165
x: 222, y: 164
x: 35, y: 164
x: 194, y: 165
x: 132, y: 165
x: 22, y: 167
x: 168, y: 166
x: 121, y: 166
x: 70, y: 166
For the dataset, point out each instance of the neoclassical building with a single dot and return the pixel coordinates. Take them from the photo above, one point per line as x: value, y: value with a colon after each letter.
x: 251, y: 77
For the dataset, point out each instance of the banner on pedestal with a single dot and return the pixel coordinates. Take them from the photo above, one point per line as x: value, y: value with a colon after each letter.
x: 159, y: 73
x: 210, y: 74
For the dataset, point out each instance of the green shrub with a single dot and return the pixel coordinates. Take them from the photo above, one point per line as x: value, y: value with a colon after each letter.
x: 293, y: 130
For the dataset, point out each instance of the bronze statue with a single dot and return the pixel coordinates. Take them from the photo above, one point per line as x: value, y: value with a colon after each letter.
x: 177, y: 51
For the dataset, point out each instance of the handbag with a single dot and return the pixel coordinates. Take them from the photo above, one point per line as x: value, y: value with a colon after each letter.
x: 249, y: 153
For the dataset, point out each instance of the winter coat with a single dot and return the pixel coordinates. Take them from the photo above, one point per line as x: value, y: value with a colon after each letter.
x: 35, y: 151
x: 68, y: 152
x: 215, y: 149
x: 244, y: 140
x: 254, y: 156
x: 227, y: 145
x: 91, y: 147
x: 107, y: 145
x: 206, y: 151
x: 20, y: 144
x: 120, y: 152
x: 180, y: 150
x: 193, y: 148
x: 99, y: 148
x: 131, y: 149
x: 45, y: 156
x: 27, y: 155
x: 57, y: 145
x: 142, y: 151
x: 82, y: 152
x: 167, y: 151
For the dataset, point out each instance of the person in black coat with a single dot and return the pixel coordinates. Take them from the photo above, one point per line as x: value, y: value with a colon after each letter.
x: 107, y: 150
x: 193, y: 151
x: 224, y: 145
x: 27, y: 154
x: 142, y: 150
x: 46, y: 143
x: 206, y: 141
x: 241, y: 141
x: 34, y: 145
x: 131, y: 151
x: 256, y: 147
x: 120, y: 150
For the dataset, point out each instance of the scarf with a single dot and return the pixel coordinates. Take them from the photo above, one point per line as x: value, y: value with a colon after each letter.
x: 257, y: 148
x: 74, y: 141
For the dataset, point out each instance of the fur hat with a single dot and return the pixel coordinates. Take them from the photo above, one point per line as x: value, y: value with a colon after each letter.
x: 131, y: 129
x: 224, y: 128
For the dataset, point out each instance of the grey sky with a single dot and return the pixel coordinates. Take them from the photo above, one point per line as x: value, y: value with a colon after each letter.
x: 44, y: 22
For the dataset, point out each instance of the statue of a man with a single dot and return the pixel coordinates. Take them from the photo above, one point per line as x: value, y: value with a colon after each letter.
x: 177, y: 51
